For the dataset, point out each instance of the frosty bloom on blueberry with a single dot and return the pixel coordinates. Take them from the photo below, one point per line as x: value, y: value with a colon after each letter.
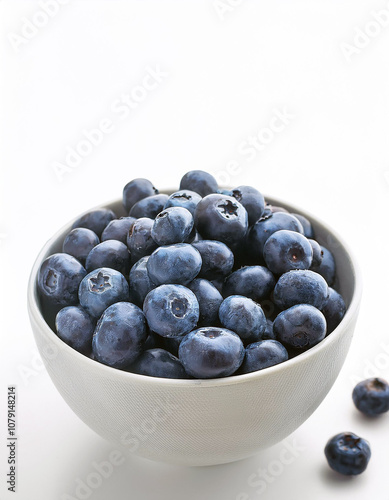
x: 203, y: 282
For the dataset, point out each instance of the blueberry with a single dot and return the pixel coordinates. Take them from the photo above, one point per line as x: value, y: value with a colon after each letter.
x: 118, y: 229
x: 252, y: 200
x: 176, y: 264
x: 95, y: 220
x: 120, y: 335
x: 209, y: 299
x: 317, y: 254
x: 265, y: 227
x: 244, y: 317
x: 217, y: 259
x: 285, y: 250
x: 158, y: 363
x: 255, y: 282
x: 327, y: 266
x: 171, y: 310
x: 263, y: 354
x: 140, y: 282
x: 111, y: 253
x: 136, y: 190
x: 172, y: 225
x: 307, y: 226
x: 149, y: 207
x: 348, y: 453
x: 200, y: 182
x: 371, y: 396
x: 139, y: 240
x: 269, y: 333
x: 75, y: 327
x: 102, y: 288
x: 300, y: 327
x: 79, y: 242
x: 59, y: 278
x: 185, y: 199
x: 334, y: 309
x: 300, y: 287
x: 223, y: 218
x: 211, y: 352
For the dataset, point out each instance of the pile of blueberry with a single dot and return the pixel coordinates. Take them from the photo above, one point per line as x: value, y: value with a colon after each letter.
x: 203, y: 283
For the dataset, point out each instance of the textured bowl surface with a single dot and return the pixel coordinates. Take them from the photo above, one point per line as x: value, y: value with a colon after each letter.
x: 199, y: 422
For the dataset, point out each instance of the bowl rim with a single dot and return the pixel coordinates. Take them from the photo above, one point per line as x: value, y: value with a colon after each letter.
x: 36, y: 315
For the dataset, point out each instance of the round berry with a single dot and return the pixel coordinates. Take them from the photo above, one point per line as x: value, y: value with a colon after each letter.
x: 136, y: 190
x: 263, y: 354
x: 348, y: 453
x: 371, y: 396
x: 287, y: 250
x: 75, y: 327
x: 95, y: 220
x: 79, y: 242
x: 200, y: 182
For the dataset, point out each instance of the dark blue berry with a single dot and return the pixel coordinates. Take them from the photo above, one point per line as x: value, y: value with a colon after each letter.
x: 244, y: 317
x: 347, y: 453
x: 209, y: 299
x: 158, y: 363
x: 255, y: 282
x: 120, y: 335
x: 75, y: 327
x: 217, y: 259
x: 111, y: 253
x: 177, y: 264
x: 149, y: 207
x: 139, y: 240
x: 96, y: 220
x: 300, y: 327
x: 200, y: 182
x: 172, y: 225
x: 136, y: 190
x: 317, y: 254
x: 185, y: 199
x: 300, y: 287
x: 327, y: 267
x: 211, y: 352
x: 79, y: 242
x: 334, y: 309
x: 118, y: 229
x: 171, y: 310
x: 371, y: 396
x: 252, y: 200
x: 286, y: 250
x: 307, y: 226
x: 263, y: 354
x: 102, y: 288
x: 140, y: 282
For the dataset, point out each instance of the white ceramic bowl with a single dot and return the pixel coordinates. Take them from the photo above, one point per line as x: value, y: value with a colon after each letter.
x: 199, y: 422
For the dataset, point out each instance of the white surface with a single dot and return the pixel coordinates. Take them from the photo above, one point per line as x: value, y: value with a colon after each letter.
x: 225, y: 79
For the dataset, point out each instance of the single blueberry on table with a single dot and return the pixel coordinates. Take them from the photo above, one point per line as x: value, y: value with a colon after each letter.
x: 286, y: 250
x: 185, y: 199
x: 172, y: 225
x: 252, y: 200
x: 334, y: 309
x: 75, y: 327
x: 327, y: 267
x: 217, y: 259
x: 200, y: 182
x: 307, y: 226
x: 222, y: 218
x: 139, y: 240
x: 265, y: 227
x: 371, y: 396
x: 102, y: 288
x: 79, y: 242
x: 110, y: 253
x: 300, y: 327
x: 58, y: 280
x: 149, y: 207
x: 96, y: 220
x: 171, y: 310
x: 348, y: 453
x: 209, y: 299
x: 140, y: 282
x: 211, y: 352
x: 120, y: 335
x: 255, y: 282
x: 263, y: 354
x: 136, y: 190
x: 300, y: 287
x: 317, y: 253
x: 175, y: 264
x: 118, y: 229
x: 244, y: 317
x: 158, y: 363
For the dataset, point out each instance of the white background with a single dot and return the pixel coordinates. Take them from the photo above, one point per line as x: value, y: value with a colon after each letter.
x: 227, y: 74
